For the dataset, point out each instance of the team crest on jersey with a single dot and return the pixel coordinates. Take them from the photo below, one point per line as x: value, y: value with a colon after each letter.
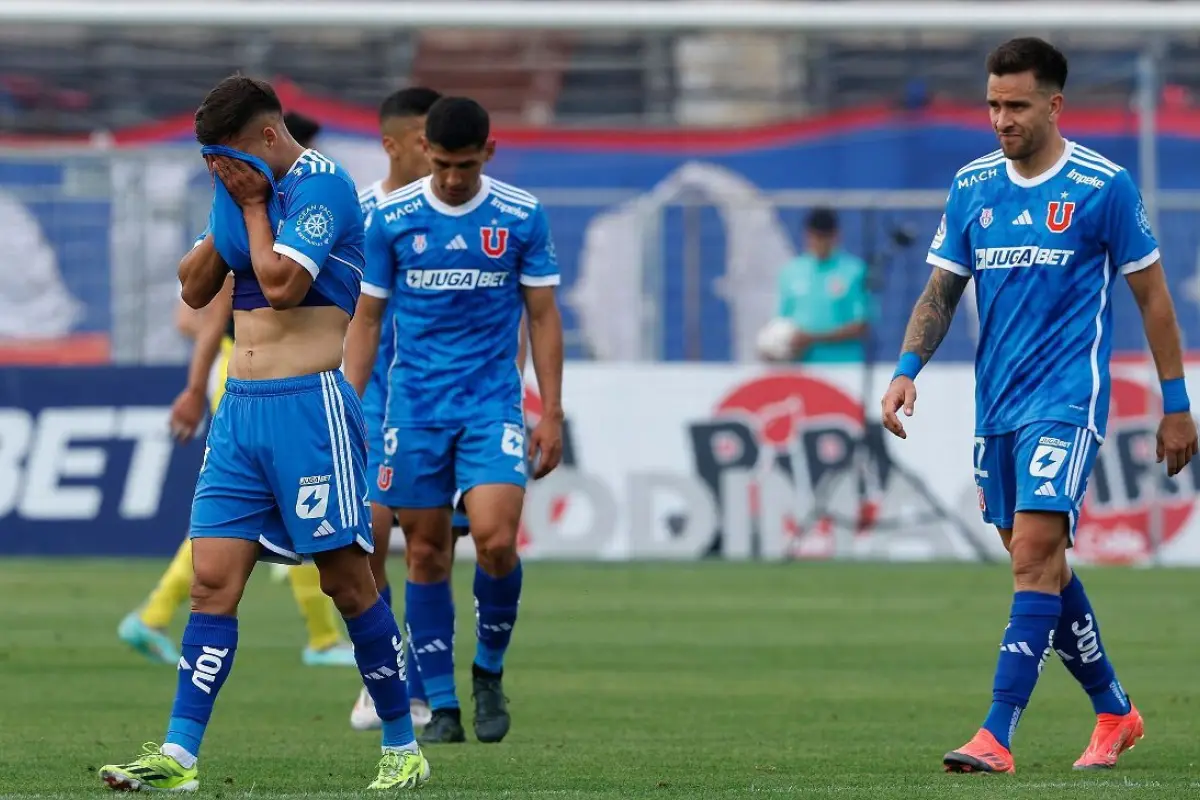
x: 1058, y: 216
x: 384, y: 481
x: 419, y: 243
x: 495, y: 241
x: 985, y: 217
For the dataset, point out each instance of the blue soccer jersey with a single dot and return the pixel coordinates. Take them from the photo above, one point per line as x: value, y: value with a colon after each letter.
x: 453, y: 274
x: 321, y: 230
x: 1043, y: 252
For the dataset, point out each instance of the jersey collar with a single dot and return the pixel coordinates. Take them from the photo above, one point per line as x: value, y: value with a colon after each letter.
x: 299, y: 158
x: 485, y: 188
x: 1037, y: 180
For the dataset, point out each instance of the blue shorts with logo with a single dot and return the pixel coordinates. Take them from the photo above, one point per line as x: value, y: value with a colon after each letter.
x: 427, y: 467
x: 284, y: 466
x: 1043, y: 466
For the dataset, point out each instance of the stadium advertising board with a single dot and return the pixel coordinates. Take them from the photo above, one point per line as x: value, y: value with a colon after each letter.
x: 661, y: 462
x: 87, y: 465
x: 686, y: 462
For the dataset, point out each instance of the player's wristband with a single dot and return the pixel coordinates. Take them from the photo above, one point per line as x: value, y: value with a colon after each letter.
x: 908, y: 366
x: 1175, y: 396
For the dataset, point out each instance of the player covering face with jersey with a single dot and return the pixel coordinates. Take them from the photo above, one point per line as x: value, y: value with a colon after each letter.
x: 1042, y: 226
x: 283, y: 473
x: 460, y: 256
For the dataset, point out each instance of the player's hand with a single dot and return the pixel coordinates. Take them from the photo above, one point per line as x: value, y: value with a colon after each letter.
x: 546, y: 447
x: 1176, y: 441
x: 246, y: 185
x: 901, y: 393
x: 187, y: 412
x: 801, y: 341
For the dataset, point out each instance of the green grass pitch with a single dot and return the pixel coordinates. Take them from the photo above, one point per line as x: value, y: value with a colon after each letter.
x: 626, y: 681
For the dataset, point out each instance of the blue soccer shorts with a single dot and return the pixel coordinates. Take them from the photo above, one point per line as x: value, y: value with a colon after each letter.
x: 426, y: 467
x: 1043, y: 466
x: 284, y: 466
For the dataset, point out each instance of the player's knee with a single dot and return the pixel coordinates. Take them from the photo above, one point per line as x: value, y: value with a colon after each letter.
x: 429, y: 559
x: 215, y: 591
x: 350, y: 595
x: 496, y: 548
x: 1038, y: 549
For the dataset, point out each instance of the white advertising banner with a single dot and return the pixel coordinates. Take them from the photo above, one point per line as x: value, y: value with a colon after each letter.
x: 690, y: 461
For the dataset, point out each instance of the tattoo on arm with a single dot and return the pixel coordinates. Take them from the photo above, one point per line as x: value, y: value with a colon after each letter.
x: 933, y: 312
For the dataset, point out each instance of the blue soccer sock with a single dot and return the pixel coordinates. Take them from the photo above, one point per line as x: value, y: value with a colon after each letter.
x: 209, y: 644
x: 1028, y: 640
x: 416, y: 689
x: 430, y: 608
x: 1077, y: 640
x: 496, y: 601
x: 379, y: 651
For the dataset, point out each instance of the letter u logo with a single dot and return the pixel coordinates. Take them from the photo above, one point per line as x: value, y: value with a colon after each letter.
x: 1058, y: 216
x: 494, y: 241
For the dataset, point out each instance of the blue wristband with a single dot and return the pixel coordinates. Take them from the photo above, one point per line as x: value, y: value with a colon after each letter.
x: 909, y: 365
x: 1175, y: 396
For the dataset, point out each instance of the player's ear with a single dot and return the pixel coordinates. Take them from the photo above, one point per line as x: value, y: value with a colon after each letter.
x: 389, y: 146
x: 489, y: 150
x: 270, y: 136
x: 1056, y: 106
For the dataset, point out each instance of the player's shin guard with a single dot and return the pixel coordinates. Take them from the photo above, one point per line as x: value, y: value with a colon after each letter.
x: 379, y: 651
x: 496, y: 601
x: 209, y: 644
x: 1028, y: 641
x: 430, y: 608
x: 1077, y: 640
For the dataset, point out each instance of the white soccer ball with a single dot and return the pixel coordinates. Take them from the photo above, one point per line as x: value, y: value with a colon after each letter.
x: 775, y: 339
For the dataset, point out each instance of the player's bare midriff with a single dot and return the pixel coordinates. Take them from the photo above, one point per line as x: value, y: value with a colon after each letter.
x: 284, y: 344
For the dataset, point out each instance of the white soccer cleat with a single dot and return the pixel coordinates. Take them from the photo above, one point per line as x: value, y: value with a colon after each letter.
x: 421, y: 712
x: 363, y: 716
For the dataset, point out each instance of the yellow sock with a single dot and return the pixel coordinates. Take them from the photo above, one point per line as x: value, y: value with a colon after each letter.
x: 317, y: 609
x: 172, y: 590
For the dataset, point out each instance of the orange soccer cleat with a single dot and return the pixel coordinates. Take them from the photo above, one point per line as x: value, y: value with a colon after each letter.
x: 1113, y: 735
x: 982, y: 754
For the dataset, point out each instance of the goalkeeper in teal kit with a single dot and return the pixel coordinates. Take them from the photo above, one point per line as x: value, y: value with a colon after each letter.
x: 1044, y: 227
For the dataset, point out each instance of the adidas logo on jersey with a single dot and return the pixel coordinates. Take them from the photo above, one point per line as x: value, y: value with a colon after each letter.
x: 1025, y: 218
x: 1046, y: 490
x: 324, y: 529
x: 457, y: 243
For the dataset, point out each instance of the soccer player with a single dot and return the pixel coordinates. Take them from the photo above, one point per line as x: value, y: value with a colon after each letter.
x: 283, y: 473
x: 1043, y: 225
x: 459, y: 254
x: 401, y: 126
x: 144, y: 629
